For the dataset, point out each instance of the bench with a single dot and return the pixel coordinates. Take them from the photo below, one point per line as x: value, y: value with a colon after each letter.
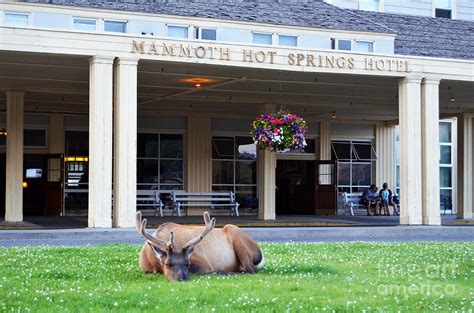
x: 181, y: 199
x: 351, y: 203
x: 150, y: 199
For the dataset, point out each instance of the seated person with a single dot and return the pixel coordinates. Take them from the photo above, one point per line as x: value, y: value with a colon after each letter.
x: 395, y: 203
x: 370, y: 199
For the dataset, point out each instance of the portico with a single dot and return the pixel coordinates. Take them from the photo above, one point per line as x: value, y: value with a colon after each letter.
x: 128, y: 85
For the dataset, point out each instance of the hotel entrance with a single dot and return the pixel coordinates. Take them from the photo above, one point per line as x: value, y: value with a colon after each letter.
x: 306, y: 187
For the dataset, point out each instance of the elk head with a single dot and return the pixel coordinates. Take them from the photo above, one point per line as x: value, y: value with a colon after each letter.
x: 174, y: 260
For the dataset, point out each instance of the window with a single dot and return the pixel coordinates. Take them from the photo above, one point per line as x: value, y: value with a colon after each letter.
x: 16, y: 19
x: 341, y: 44
x: 285, y: 40
x: 354, y: 164
x: 234, y: 168
x: 159, y: 161
x: 115, y: 26
x: 364, y: 46
x: 206, y: 34
x: 85, y: 24
x: 446, y: 164
x: 443, y: 8
x: 263, y: 39
x: 369, y: 5
x: 177, y: 31
x: 76, y: 172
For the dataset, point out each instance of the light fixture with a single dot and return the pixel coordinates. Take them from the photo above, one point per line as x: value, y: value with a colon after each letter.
x: 24, y: 184
x: 76, y: 159
x: 198, y: 85
x: 333, y: 116
x: 452, y: 99
x: 3, y: 132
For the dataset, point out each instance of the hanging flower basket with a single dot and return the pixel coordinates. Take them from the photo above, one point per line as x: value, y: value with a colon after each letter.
x: 279, y: 132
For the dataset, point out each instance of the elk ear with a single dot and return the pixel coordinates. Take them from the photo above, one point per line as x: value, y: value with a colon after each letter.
x: 160, y: 254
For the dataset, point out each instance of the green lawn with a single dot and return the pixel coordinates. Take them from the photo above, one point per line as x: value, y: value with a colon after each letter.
x: 297, y: 277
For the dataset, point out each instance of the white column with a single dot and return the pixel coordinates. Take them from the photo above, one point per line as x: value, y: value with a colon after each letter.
x: 100, y: 141
x: 465, y: 158
x: 125, y: 143
x: 14, y: 156
x: 266, y: 184
x: 198, y: 154
x: 430, y: 151
x: 385, y: 166
x: 409, y: 94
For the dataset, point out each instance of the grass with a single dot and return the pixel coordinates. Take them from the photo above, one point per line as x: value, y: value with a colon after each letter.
x: 297, y: 277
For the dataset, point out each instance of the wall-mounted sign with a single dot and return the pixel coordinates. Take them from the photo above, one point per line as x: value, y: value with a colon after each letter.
x: 270, y: 57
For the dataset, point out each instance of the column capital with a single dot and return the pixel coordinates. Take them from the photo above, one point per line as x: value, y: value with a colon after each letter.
x: 431, y: 80
x: 410, y: 79
x: 127, y: 61
x: 101, y: 59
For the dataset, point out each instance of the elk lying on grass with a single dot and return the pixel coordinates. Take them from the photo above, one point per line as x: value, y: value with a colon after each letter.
x: 177, y: 250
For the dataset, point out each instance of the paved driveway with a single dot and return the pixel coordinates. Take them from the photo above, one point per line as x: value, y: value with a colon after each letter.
x: 81, y: 237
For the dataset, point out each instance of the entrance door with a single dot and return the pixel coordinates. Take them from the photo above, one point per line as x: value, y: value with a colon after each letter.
x: 54, y: 187
x: 295, y: 187
x: 325, y: 196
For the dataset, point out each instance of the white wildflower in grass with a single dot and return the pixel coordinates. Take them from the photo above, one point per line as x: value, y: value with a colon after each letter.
x: 297, y: 277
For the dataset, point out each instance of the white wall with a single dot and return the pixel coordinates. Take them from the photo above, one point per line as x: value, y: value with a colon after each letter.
x: 414, y: 7
x: 465, y: 10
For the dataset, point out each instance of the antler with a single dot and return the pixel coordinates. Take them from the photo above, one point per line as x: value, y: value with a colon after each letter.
x: 141, y: 224
x: 210, y: 223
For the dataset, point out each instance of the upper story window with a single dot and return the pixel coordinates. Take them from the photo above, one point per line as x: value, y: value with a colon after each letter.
x: 286, y: 40
x: 262, y: 38
x: 443, y: 8
x: 85, y: 24
x: 364, y: 46
x: 369, y: 5
x: 17, y: 19
x: 115, y: 26
x: 206, y: 33
x: 177, y: 31
x: 341, y: 44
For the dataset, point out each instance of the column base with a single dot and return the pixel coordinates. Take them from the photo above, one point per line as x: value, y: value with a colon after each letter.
x: 432, y: 220
x: 100, y: 223
x: 267, y: 216
x: 410, y: 221
x: 124, y: 223
x: 13, y: 219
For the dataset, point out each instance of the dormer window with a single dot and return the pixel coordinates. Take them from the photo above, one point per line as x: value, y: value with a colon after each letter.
x: 177, y: 31
x: 443, y: 8
x: 206, y: 33
x: 262, y: 38
x: 369, y: 5
x: 115, y: 26
x: 286, y: 40
x: 364, y: 46
x: 341, y: 44
x: 17, y: 19
x: 85, y: 23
